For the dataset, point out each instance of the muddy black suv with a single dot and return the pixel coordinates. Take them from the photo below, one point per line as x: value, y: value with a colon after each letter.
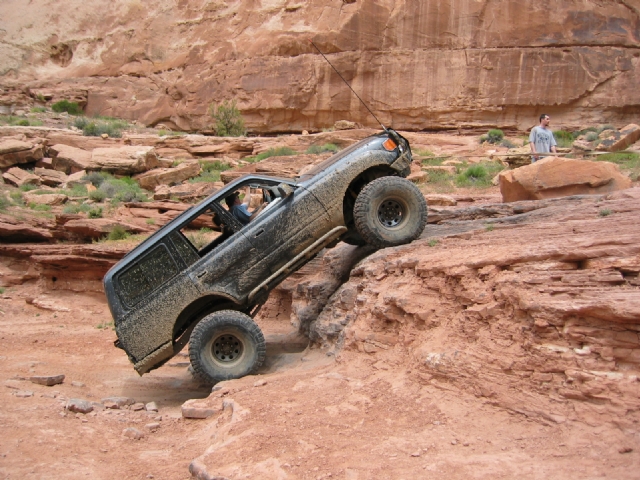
x: 202, y: 277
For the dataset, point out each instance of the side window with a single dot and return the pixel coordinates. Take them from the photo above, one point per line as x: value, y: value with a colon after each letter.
x: 153, y: 270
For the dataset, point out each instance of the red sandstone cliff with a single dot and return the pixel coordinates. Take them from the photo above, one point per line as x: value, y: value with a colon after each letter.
x: 419, y: 64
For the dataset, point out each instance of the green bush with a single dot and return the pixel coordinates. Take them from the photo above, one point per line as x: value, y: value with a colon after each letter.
x: 494, y: 136
x: 38, y: 109
x: 66, y: 106
x: 602, y: 128
x: 275, y: 152
x: 95, y: 213
x: 216, y: 165
x: 27, y: 187
x: 591, y: 137
x: 563, y: 138
x: 318, y: 149
x: 122, y: 190
x: 73, y: 208
x: 478, y: 175
x: 39, y: 207
x: 508, y: 143
x: 96, y: 178
x: 206, y: 177
x: 4, y: 202
x: 118, y: 232
x: 97, y: 195
x: 99, y: 125
x: 16, y: 197
x: 228, y: 119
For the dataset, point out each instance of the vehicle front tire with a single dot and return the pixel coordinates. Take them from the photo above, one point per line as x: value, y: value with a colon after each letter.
x: 390, y: 211
x: 224, y: 345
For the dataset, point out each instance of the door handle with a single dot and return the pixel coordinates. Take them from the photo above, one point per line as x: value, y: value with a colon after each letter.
x: 201, y: 274
x: 259, y: 232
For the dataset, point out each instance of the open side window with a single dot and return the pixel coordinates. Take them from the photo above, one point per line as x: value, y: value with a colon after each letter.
x: 210, y: 229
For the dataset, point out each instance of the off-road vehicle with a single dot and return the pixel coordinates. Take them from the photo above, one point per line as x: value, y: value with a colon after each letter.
x: 186, y: 285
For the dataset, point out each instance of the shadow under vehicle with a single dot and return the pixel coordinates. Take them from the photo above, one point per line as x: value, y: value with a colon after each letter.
x: 175, y: 288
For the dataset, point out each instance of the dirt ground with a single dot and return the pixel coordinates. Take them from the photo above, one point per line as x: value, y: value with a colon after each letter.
x: 306, y: 415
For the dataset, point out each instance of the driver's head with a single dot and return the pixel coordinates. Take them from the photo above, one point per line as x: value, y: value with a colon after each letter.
x: 232, y: 199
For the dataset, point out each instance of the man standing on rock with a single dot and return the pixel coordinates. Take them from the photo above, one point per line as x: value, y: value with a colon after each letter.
x: 541, y: 139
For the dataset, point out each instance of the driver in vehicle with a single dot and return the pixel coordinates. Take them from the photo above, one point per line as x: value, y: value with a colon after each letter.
x: 240, y: 209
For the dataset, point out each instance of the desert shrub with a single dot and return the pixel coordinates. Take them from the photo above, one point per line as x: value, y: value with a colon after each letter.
x: 96, y: 178
x: 433, y: 242
x: 605, y: 212
x: 76, y: 190
x: 433, y: 161
x: 27, y: 187
x: 228, y: 119
x: 97, y: 126
x: 507, y: 143
x: 97, y: 195
x: 478, y: 175
x: 440, y: 181
x: 423, y: 152
x: 602, y: 128
x: 564, y: 138
x: 275, y: 152
x: 206, y: 177
x: 494, y: 136
x: 591, y: 137
x: 318, y: 149
x: 38, y: 109
x: 16, y: 197
x: 4, y: 202
x: 122, y: 190
x: 66, y: 106
x: 95, y: 213
x: 150, y: 221
x: 23, y: 122
x: 215, y: 165
x: 72, y: 208
x: 39, y: 207
x: 629, y: 162
x: 118, y: 232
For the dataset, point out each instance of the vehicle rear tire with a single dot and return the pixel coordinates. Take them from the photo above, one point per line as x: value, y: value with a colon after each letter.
x: 390, y: 211
x: 224, y: 345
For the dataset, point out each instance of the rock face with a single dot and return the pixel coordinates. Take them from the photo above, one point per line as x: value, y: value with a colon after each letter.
x: 559, y: 177
x: 168, y: 176
x: 418, y: 64
x: 539, y: 315
x: 14, y: 152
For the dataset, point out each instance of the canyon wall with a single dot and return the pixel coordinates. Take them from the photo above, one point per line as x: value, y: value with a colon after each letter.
x: 420, y: 65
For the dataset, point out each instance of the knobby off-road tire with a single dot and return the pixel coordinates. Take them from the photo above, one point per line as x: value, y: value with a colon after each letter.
x: 225, y: 345
x: 390, y: 211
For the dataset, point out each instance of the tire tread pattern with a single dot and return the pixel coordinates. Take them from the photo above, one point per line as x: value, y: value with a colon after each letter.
x: 367, y: 199
x: 210, y: 323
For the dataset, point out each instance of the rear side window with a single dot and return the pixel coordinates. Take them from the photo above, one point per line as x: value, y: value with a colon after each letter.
x: 154, y: 269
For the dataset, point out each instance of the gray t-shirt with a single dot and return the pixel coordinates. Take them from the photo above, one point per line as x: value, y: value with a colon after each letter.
x: 542, y: 139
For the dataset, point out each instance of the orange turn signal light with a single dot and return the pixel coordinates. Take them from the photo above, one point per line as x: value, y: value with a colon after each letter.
x: 389, y: 144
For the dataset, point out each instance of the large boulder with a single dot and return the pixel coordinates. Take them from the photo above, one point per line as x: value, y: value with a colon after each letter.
x: 52, y: 199
x: 559, y: 177
x: 615, y: 141
x: 51, y: 178
x: 168, y: 176
x: 95, y: 228
x: 18, y: 177
x: 69, y: 159
x: 125, y: 160
x: 14, y: 152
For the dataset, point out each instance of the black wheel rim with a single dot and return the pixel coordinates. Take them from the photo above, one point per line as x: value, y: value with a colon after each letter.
x: 390, y: 213
x: 227, y: 348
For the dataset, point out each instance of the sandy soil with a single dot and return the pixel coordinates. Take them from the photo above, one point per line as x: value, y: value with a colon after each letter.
x: 307, y: 415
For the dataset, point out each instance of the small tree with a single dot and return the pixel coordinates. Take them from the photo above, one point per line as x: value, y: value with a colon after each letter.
x: 229, y: 121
